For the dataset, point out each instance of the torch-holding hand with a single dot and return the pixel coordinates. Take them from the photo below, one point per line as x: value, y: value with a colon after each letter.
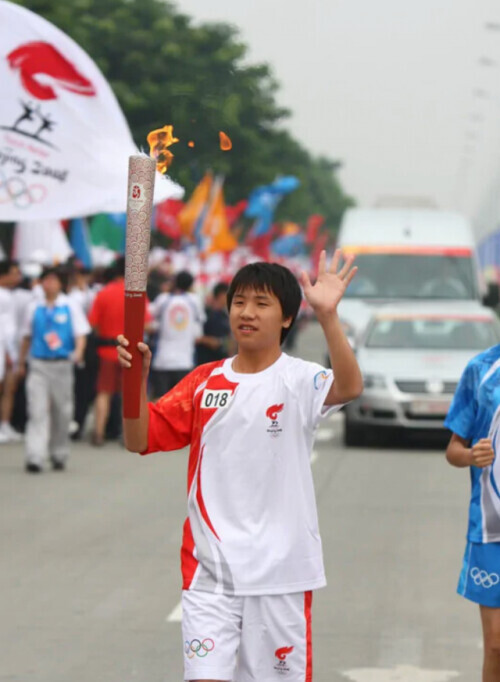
x: 482, y: 453
x: 124, y: 357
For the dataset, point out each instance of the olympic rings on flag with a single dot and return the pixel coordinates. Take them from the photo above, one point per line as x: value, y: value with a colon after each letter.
x: 484, y: 578
x: 197, y: 648
x: 15, y: 190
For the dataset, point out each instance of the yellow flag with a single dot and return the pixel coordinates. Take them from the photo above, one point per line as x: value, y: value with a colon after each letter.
x: 191, y: 212
x: 216, y: 226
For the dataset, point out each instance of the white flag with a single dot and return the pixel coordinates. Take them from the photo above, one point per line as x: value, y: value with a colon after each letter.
x: 44, y: 242
x: 64, y: 141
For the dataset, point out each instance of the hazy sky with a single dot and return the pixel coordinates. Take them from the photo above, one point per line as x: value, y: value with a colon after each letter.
x: 388, y: 87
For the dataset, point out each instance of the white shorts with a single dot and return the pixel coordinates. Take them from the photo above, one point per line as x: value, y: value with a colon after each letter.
x: 243, y: 639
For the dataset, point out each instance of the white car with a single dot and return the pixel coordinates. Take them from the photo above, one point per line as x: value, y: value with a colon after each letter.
x: 406, y: 254
x: 412, y: 357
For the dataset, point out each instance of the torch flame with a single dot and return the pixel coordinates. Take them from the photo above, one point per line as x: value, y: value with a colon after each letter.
x: 159, y: 141
x: 225, y: 142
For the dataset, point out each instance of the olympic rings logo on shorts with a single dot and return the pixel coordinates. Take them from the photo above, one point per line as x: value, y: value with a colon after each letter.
x: 199, y: 648
x: 484, y: 578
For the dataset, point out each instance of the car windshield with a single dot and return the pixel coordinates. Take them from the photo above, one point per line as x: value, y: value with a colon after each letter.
x: 429, y: 333
x: 394, y: 275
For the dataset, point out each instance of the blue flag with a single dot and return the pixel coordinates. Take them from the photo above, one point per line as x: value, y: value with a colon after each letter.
x: 263, y: 200
x: 289, y: 245
x: 80, y: 241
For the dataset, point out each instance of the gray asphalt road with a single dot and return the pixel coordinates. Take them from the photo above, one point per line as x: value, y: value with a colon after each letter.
x: 89, y: 567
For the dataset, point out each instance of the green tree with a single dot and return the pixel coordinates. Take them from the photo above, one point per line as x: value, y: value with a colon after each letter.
x: 164, y: 69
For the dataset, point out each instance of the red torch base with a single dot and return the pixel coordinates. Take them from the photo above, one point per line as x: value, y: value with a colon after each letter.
x: 135, y: 304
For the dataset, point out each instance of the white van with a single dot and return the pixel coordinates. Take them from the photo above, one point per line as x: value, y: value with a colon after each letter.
x: 406, y: 254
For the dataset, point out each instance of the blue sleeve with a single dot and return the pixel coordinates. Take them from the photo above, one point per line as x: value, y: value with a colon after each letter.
x: 461, y: 416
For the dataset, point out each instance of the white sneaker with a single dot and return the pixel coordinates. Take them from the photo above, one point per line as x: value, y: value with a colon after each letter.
x: 10, y: 433
x: 3, y: 438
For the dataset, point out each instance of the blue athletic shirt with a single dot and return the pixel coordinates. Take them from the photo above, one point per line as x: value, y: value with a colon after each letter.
x: 474, y: 414
x: 53, y: 329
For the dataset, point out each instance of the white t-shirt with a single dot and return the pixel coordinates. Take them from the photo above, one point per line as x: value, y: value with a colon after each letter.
x: 7, y: 322
x: 180, y: 323
x: 252, y: 526
x: 21, y: 299
x: 83, y: 297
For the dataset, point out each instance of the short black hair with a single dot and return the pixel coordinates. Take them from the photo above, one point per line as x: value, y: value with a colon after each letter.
x: 6, y: 265
x: 58, y: 272
x: 119, y: 267
x: 275, y: 279
x: 220, y: 288
x: 183, y: 280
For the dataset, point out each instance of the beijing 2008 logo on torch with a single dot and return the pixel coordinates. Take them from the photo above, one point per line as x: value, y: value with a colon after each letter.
x: 137, y: 196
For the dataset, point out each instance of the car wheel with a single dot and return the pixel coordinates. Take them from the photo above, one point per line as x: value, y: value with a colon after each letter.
x: 354, y: 434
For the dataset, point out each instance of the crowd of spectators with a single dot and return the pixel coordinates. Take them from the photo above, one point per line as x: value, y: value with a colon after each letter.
x: 59, y: 372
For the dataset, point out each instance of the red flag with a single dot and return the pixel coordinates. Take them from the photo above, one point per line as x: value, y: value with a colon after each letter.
x: 166, y: 218
x: 261, y: 245
x: 234, y: 212
x: 319, y: 245
x: 312, y: 228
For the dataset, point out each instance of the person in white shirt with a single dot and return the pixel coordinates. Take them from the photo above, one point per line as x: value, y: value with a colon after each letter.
x: 251, y: 552
x: 80, y: 290
x: 179, y: 317
x: 10, y: 276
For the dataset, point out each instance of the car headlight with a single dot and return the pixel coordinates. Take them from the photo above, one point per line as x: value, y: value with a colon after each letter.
x: 374, y: 381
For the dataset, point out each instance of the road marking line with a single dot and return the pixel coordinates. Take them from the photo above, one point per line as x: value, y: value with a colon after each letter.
x: 402, y: 673
x: 175, y: 616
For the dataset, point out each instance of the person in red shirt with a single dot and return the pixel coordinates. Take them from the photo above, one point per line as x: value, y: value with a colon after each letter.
x: 107, y: 318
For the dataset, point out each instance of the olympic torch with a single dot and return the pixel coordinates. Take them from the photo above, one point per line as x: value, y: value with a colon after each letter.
x: 141, y: 184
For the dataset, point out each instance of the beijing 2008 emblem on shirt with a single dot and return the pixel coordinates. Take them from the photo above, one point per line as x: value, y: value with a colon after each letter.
x: 272, y: 412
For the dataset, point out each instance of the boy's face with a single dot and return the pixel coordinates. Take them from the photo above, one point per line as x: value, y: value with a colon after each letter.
x: 256, y: 319
x: 51, y: 284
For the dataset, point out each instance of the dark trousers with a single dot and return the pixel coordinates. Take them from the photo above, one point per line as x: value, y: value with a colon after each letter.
x: 85, y: 384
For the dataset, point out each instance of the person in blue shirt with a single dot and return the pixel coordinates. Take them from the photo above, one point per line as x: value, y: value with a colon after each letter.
x: 474, y: 419
x: 54, y: 336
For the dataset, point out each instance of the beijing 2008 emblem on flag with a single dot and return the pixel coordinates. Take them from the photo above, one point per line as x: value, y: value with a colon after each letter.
x: 64, y: 141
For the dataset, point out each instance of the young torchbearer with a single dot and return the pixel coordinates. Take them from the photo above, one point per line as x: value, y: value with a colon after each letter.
x: 251, y: 553
x: 474, y: 419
